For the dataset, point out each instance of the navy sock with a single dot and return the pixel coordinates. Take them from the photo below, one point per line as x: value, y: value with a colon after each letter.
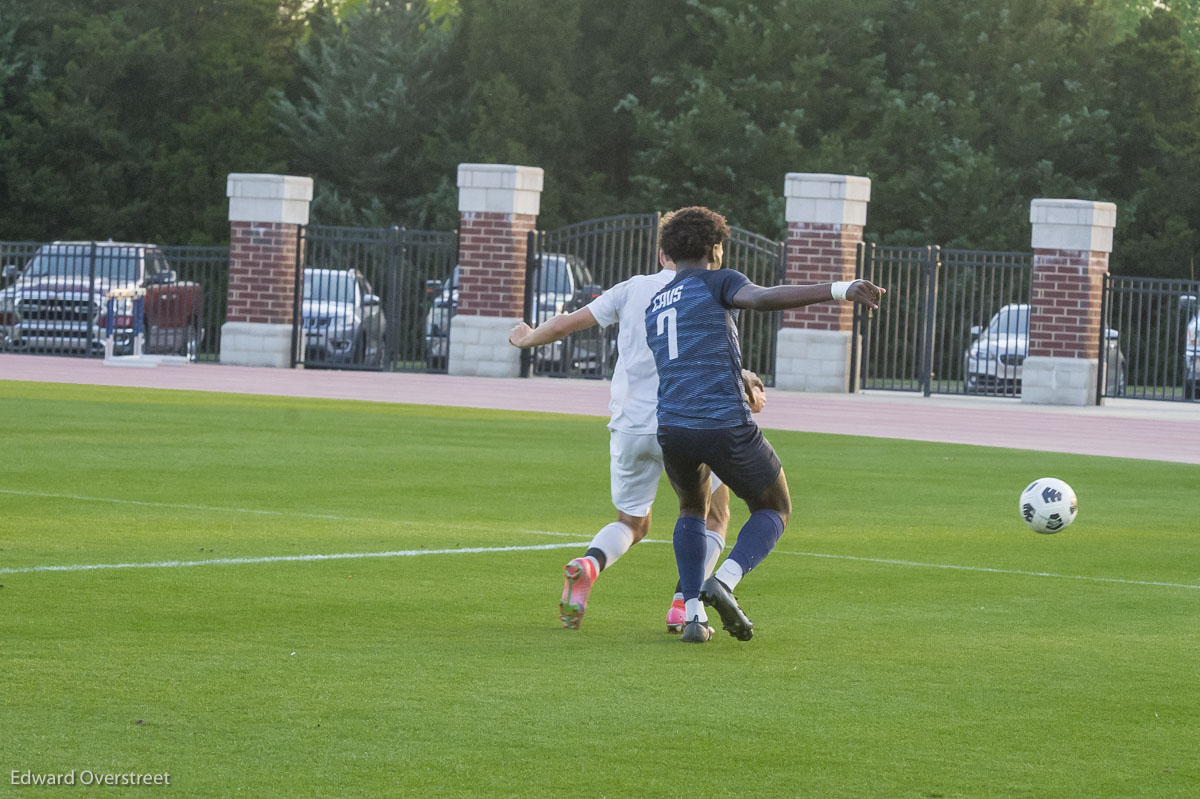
x: 756, y: 539
x: 690, y: 550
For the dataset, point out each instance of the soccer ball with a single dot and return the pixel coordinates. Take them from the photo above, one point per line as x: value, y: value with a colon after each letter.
x: 1048, y: 505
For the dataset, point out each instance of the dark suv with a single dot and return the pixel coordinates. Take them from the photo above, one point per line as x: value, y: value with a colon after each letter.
x: 58, y: 301
x: 561, y: 283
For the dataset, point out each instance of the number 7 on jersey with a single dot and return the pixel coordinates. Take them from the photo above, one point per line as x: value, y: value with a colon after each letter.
x: 666, y: 320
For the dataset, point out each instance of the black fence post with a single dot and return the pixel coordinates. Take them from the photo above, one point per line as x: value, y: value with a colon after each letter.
x: 928, y: 329
x: 89, y: 341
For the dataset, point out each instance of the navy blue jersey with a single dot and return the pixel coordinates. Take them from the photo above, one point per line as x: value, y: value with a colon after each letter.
x: 691, y: 327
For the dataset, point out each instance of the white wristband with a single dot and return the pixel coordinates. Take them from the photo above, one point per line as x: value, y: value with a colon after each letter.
x: 839, y: 289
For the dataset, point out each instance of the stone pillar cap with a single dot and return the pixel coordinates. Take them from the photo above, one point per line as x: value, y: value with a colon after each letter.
x: 257, y: 197
x: 499, y: 188
x: 819, y: 198
x: 1076, y: 225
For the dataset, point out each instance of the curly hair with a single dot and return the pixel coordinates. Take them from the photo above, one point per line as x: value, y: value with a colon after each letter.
x: 687, y: 234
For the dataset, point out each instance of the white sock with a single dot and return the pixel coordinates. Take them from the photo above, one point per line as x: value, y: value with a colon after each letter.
x: 614, y: 540
x: 730, y: 573
x: 715, y: 544
x: 694, y: 608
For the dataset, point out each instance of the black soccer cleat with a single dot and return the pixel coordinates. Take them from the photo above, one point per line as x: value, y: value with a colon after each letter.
x: 714, y: 594
x: 696, y: 632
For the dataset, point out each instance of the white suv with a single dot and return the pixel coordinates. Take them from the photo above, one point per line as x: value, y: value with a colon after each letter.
x: 1191, y: 353
x: 342, y: 319
x: 992, y: 363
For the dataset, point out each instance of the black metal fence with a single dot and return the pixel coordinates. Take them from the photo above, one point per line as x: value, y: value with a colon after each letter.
x: 763, y: 261
x: 957, y: 322
x: 207, y: 267
x: 71, y: 298
x: 953, y: 321
x: 568, y: 267
x: 375, y: 298
x: 1156, y: 322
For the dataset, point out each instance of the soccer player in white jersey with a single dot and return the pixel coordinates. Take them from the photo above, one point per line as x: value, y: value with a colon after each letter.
x: 635, y: 462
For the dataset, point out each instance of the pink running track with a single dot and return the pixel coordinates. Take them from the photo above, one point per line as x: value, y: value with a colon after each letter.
x: 1127, y: 428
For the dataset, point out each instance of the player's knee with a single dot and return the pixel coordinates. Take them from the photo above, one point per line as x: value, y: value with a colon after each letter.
x: 784, y: 508
x: 718, y: 520
x: 639, y: 525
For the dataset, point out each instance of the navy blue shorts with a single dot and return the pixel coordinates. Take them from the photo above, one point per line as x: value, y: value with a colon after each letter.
x: 740, y: 456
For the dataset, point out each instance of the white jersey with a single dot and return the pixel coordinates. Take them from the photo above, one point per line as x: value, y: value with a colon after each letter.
x: 634, y: 393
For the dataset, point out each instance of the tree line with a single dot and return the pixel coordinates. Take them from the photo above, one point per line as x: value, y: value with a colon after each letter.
x: 121, y: 118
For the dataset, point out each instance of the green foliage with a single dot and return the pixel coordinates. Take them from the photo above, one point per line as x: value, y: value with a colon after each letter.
x: 372, y: 122
x: 122, y: 119
x: 1156, y: 91
x: 543, y: 79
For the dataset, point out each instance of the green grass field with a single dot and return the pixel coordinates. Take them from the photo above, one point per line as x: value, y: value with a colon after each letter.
x: 913, y: 639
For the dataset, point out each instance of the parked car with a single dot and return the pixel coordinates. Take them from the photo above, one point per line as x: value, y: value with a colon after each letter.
x: 443, y: 296
x: 58, y: 301
x: 342, y: 319
x: 563, y: 283
x: 1191, y: 353
x: 992, y: 363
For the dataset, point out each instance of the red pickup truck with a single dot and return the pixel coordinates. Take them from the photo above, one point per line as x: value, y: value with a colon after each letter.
x: 58, y: 302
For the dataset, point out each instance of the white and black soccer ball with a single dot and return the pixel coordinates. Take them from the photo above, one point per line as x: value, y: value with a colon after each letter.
x: 1048, y: 505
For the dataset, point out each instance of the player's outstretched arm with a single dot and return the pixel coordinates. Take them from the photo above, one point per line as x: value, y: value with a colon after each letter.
x: 778, y: 298
x: 556, y: 329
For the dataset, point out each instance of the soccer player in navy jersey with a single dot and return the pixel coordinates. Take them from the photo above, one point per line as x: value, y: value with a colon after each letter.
x: 704, y: 421
x: 634, y: 455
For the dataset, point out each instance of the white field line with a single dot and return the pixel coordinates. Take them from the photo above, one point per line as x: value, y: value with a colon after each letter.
x: 182, y: 564
x: 409, y: 553
x: 988, y: 570
x: 480, y: 550
x: 214, y: 508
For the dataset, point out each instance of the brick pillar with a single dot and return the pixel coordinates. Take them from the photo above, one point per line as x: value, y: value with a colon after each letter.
x: 499, y: 205
x: 265, y: 216
x: 825, y: 216
x: 1071, y: 243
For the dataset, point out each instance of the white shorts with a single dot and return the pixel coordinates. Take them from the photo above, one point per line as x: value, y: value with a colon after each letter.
x: 635, y: 465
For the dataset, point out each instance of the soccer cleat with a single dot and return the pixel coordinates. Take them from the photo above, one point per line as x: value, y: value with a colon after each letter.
x: 580, y: 574
x: 714, y: 594
x: 676, y: 618
x: 696, y: 632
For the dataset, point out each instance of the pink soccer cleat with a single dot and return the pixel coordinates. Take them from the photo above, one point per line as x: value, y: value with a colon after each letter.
x: 580, y: 574
x: 675, y: 617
